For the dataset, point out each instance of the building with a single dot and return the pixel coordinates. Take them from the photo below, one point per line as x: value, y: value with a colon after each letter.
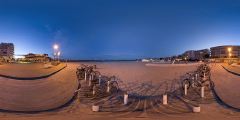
x: 227, y: 51
x: 190, y: 55
x: 196, y: 54
x: 6, y: 51
x: 36, y: 58
x: 202, y: 54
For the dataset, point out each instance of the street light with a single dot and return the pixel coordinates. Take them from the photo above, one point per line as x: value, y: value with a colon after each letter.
x: 55, y: 47
x: 58, y: 54
x: 229, y: 52
x: 55, y: 50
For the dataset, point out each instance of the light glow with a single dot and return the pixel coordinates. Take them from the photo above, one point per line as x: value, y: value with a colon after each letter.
x: 55, y: 47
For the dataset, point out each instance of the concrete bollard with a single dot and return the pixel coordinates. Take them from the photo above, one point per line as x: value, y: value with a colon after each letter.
x: 202, y: 92
x: 185, y: 89
x: 95, y: 108
x: 196, y: 76
x: 165, y: 101
x: 94, y: 90
x: 125, y: 99
x: 99, y: 80
x: 108, y: 86
x: 85, y: 76
x: 90, y: 82
x: 92, y: 76
x: 196, y: 109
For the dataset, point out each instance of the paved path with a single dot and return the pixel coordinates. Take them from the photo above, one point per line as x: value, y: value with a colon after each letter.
x: 227, y: 86
x: 28, y: 70
x: 38, y: 95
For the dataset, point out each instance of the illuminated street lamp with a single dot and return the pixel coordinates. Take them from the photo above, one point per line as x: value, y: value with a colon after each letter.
x: 55, y: 47
x: 229, y: 52
x: 58, y: 54
x: 55, y: 50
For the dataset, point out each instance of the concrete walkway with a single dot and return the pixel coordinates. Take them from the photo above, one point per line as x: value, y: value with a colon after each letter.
x: 38, y: 95
x: 227, y: 86
x: 28, y: 70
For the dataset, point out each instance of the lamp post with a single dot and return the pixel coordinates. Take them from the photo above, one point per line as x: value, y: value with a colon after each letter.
x: 55, y: 51
x: 229, y: 53
x: 58, y: 55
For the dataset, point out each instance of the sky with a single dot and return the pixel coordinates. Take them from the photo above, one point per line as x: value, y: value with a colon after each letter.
x: 118, y: 29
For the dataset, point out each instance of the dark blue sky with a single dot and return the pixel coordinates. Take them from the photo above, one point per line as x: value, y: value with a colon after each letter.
x: 118, y: 29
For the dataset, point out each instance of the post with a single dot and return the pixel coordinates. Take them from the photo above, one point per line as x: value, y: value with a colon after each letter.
x: 196, y: 109
x: 90, y: 82
x: 108, y: 86
x: 196, y: 76
x: 94, y: 90
x: 125, y: 99
x: 95, y: 108
x: 165, y: 102
x: 99, y: 80
x: 92, y: 76
x: 185, y: 89
x: 85, y: 76
x: 202, y: 92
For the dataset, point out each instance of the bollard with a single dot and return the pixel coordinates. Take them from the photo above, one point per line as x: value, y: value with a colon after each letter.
x: 108, y: 86
x: 95, y: 108
x: 85, y: 76
x: 202, y: 92
x: 185, y: 89
x: 165, y: 102
x: 125, y: 99
x: 90, y: 77
x: 196, y: 109
x: 94, y: 90
x: 90, y: 82
x: 196, y: 76
x: 99, y: 80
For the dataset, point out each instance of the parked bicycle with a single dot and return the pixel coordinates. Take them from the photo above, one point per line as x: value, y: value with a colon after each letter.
x: 199, y: 78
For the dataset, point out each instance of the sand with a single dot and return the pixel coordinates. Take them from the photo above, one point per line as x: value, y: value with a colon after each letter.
x: 58, y: 89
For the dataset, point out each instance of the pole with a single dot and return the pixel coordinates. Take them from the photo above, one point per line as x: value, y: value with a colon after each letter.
x: 202, y: 92
x: 165, y: 102
x: 185, y: 89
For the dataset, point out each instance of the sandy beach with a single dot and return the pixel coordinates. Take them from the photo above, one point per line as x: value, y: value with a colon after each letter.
x: 137, y: 78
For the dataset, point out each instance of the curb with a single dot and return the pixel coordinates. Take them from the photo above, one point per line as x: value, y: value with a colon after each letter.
x: 32, y: 78
x: 238, y: 74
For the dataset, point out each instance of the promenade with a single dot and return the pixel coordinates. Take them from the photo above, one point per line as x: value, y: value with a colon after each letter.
x: 37, y: 95
x: 28, y: 70
x: 226, y: 86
